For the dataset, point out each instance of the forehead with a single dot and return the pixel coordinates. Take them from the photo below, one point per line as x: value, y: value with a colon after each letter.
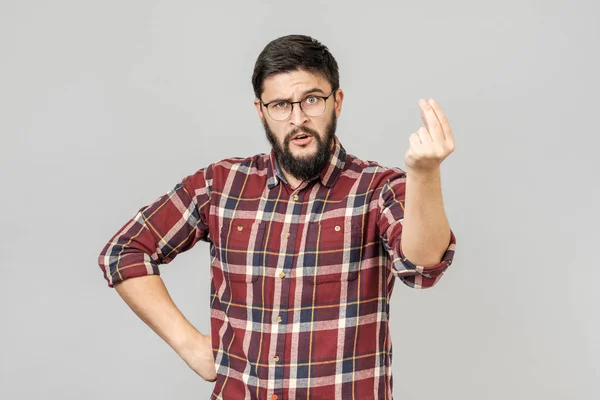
x: 293, y: 85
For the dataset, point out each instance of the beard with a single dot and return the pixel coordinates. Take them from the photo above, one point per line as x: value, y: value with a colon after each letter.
x: 308, y: 167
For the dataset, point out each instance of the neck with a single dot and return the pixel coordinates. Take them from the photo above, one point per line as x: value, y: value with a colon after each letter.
x: 292, y: 181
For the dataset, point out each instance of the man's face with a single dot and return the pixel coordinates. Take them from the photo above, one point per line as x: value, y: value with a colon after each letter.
x: 302, y: 160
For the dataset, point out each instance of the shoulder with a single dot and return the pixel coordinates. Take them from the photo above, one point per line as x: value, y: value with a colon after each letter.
x: 220, y: 169
x: 256, y: 161
x: 374, y: 169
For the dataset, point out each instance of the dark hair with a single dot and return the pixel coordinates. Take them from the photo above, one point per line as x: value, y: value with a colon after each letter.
x: 291, y: 53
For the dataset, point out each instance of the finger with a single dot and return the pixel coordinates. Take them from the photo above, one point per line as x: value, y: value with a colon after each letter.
x: 431, y: 121
x: 415, y: 142
x: 424, y: 135
x: 448, y: 135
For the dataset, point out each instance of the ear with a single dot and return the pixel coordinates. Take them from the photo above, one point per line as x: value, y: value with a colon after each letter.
x: 339, y: 99
x: 259, y: 108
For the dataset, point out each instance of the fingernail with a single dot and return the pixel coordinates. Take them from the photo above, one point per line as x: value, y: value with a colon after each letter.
x: 423, y: 102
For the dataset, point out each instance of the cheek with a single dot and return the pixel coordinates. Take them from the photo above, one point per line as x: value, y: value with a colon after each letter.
x: 279, y: 132
x: 322, y: 127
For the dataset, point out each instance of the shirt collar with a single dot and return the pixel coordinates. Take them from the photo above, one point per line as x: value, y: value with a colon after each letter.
x: 328, y: 175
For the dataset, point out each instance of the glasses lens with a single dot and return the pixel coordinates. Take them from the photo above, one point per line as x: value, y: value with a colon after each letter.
x: 280, y: 111
x: 313, y: 106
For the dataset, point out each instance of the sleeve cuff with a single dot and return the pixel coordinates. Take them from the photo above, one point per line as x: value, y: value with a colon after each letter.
x: 131, y: 266
x: 420, y: 276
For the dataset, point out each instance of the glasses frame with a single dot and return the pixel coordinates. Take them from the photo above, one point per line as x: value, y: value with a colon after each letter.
x: 266, y: 105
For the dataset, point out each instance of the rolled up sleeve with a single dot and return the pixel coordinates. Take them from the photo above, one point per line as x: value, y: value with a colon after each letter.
x: 158, y: 232
x: 391, y: 216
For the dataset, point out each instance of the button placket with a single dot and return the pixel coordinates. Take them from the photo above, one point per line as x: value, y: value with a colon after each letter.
x: 289, y: 244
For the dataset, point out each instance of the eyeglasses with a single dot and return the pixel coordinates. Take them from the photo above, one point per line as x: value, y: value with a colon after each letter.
x: 312, y: 106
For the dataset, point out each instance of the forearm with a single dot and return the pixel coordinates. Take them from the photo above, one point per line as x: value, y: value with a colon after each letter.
x: 425, y: 229
x: 149, y: 299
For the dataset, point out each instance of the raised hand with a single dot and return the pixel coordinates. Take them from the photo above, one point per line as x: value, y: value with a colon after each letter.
x: 432, y: 143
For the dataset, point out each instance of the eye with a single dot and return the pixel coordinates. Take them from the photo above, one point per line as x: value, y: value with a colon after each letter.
x: 281, y: 104
x: 311, y: 100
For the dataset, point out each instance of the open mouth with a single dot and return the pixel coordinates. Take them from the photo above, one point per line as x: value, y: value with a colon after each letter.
x: 302, y: 139
x: 301, y: 136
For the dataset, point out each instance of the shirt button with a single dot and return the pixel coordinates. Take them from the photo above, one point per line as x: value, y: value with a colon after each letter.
x: 274, y: 397
x: 239, y: 228
x: 276, y: 358
x: 287, y: 235
x: 279, y: 319
x: 337, y: 228
x: 296, y: 197
x: 282, y: 275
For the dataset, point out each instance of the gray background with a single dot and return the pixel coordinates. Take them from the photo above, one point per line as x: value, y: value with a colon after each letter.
x: 107, y: 105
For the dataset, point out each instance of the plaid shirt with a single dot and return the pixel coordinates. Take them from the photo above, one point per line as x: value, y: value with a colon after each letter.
x: 300, y: 279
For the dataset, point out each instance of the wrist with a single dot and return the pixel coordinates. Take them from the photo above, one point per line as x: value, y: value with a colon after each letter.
x: 423, y: 175
x: 188, y: 342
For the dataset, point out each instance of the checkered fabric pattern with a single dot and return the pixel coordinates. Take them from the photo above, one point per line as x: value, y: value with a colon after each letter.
x: 300, y: 279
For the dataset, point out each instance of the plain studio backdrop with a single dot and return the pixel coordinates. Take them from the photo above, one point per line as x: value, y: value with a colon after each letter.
x: 107, y: 105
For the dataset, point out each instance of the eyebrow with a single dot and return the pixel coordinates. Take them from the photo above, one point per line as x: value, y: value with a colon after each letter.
x: 306, y: 92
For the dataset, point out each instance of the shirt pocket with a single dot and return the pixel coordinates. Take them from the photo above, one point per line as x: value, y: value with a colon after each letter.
x: 241, y: 252
x: 333, y: 251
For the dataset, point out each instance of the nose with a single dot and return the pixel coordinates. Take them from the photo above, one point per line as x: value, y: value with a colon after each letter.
x: 298, y: 118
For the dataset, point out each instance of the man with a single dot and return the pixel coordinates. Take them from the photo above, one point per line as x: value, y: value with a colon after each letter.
x: 305, y: 244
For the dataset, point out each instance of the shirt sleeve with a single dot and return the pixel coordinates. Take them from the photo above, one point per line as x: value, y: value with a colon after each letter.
x: 391, y: 216
x: 172, y: 224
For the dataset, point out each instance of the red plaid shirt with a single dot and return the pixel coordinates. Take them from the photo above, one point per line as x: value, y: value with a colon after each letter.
x: 300, y: 279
